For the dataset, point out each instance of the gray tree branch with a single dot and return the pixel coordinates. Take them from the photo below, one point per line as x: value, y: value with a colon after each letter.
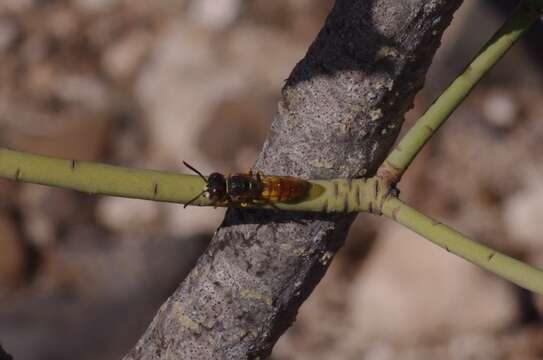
x: 341, y: 110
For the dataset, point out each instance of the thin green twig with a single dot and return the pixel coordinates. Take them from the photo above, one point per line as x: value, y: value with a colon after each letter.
x: 96, y: 178
x: 407, y: 149
x: 340, y: 195
x: 451, y: 240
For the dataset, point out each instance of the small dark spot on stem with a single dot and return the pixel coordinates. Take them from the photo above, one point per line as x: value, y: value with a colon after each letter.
x: 325, y: 206
x: 155, y: 190
x: 360, y: 195
x: 357, y: 197
x: 336, y: 189
x: 73, y: 164
x: 435, y: 223
x: 447, y: 248
x: 491, y: 256
x: 17, y: 174
x: 350, y: 183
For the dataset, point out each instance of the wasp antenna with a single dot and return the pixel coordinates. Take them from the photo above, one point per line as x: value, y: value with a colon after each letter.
x: 194, y: 199
x: 196, y: 171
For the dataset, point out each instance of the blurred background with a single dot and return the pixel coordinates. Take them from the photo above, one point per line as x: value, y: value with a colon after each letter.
x: 151, y: 83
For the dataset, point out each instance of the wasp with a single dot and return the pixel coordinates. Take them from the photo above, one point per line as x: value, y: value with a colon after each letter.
x: 250, y: 188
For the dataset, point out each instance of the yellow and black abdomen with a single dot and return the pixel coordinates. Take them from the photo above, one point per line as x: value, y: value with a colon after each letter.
x: 283, y: 188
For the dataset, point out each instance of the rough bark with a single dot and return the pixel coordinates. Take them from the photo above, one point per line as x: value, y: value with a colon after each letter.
x: 341, y: 109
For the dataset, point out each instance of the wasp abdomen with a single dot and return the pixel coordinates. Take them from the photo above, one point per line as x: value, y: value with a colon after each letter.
x: 283, y: 188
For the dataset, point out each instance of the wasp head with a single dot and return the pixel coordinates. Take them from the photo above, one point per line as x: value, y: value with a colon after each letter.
x: 216, y: 187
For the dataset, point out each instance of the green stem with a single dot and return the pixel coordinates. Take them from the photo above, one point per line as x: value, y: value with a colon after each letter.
x: 96, y: 178
x: 451, y: 240
x: 339, y: 195
x: 403, y: 154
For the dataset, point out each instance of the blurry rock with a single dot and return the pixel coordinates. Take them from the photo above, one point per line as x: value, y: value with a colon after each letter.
x: 208, y: 79
x: 523, y: 343
x: 8, y: 33
x: 123, y: 58
x: 127, y: 215
x: 63, y: 24
x: 45, y: 208
x: 94, y: 265
x: 463, y: 347
x: 8, y: 192
x: 67, y: 116
x: 215, y: 14
x: 237, y: 124
x: 500, y: 109
x: 39, y: 228
x: 81, y: 139
x: 96, y: 5
x: 18, y: 5
x: 12, y: 257
x: 264, y: 56
x: 474, y: 346
x: 193, y: 220
x: 380, y: 351
x: 245, y: 157
x: 411, y: 290
x: 177, y: 106
x: 538, y: 302
x: 85, y: 91
x: 106, y: 296
x: 131, y: 138
x: 536, y: 259
x: 57, y: 276
x: 522, y: 215
x: 301, y: 18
